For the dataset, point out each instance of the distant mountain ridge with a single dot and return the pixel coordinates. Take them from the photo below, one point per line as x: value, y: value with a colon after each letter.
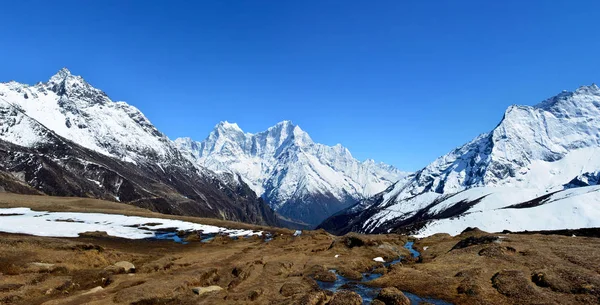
x: 534, y: 151
x: 65, y: 137
x: 299, y: 178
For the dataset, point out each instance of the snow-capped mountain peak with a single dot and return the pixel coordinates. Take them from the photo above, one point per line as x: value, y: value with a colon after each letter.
x: 224, y: 125
x: 74, y: 109
x: 60, y: 76
x: 289, y: 170
x: 533, y: 151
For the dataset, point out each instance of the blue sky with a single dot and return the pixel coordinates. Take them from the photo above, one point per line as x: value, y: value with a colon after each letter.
x: 398, y: 81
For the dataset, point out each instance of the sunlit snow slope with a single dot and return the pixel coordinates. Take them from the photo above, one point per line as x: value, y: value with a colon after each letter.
x: 64, y: 137
x: 534, y: 151
x: 299, y: 178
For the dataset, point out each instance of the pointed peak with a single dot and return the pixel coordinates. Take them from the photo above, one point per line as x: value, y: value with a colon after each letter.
x: 60, y: 75
x: 591, y: 89
x: 285, y: 123
x: 224, y: 125
x: 64, y: 71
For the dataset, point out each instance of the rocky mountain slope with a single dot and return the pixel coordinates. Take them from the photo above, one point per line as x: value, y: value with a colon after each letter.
x: 65, y: 137
x: 519, y: 176
x: 299, y: 178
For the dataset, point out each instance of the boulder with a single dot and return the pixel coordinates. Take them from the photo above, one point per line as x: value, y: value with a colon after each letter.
x: 203, y: 290
x: 127, y: 266
x: 93, y: 290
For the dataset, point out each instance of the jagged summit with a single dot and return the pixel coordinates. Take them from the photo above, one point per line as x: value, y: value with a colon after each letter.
x: 568, y: 99
x: 533, y: 151
x: 67, y: 138
x: 299, y: 178
x: 227, y: 125
x: 64, y: 75
x: 76, y: 110
x: 61, y: 74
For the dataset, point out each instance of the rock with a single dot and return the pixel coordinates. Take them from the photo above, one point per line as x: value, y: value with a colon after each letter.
x: 378, y: 302
x: 112, y: 269
x: 352, y: 241
x: 346, y: 297
x: 325, y: 276
x: 42, y: 265
x: 203, y: 290
x: 94, y: 290
x: 127, y: 266
x: 392, y: 296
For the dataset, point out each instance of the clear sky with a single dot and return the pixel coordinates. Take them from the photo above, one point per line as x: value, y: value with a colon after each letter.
x: 397, y: 81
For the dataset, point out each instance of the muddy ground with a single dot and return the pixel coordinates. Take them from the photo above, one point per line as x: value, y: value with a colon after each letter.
x: 472, y: 268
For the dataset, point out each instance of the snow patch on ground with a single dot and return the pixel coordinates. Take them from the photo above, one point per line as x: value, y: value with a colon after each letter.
x: 68, y: 224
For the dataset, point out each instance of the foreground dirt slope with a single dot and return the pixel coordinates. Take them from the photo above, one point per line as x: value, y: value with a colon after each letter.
x: 472, y: 268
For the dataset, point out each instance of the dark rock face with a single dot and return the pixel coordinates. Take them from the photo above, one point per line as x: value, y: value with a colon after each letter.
x: 353, y: 218
x: 312, y: 209
x: 63, y: 168
x: 585, y: 179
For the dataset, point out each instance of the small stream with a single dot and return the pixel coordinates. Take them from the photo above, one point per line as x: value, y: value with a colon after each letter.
x: 204, y: 238
x: 165, y: 235
x: 369, y: 293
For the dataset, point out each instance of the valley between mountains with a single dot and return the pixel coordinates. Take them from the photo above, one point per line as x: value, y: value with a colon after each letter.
x: 97, y: 206
x: 538, y: 169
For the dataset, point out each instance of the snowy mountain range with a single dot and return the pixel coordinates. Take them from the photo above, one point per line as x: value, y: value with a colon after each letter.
x: 300, y: 179
x: 65, y: 137
x: 538, y: 169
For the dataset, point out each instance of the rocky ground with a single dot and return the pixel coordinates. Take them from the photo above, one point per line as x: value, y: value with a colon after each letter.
x: 473, y: 268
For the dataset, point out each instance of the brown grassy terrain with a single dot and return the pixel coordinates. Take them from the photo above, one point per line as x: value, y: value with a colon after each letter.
x: 472, y: 268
